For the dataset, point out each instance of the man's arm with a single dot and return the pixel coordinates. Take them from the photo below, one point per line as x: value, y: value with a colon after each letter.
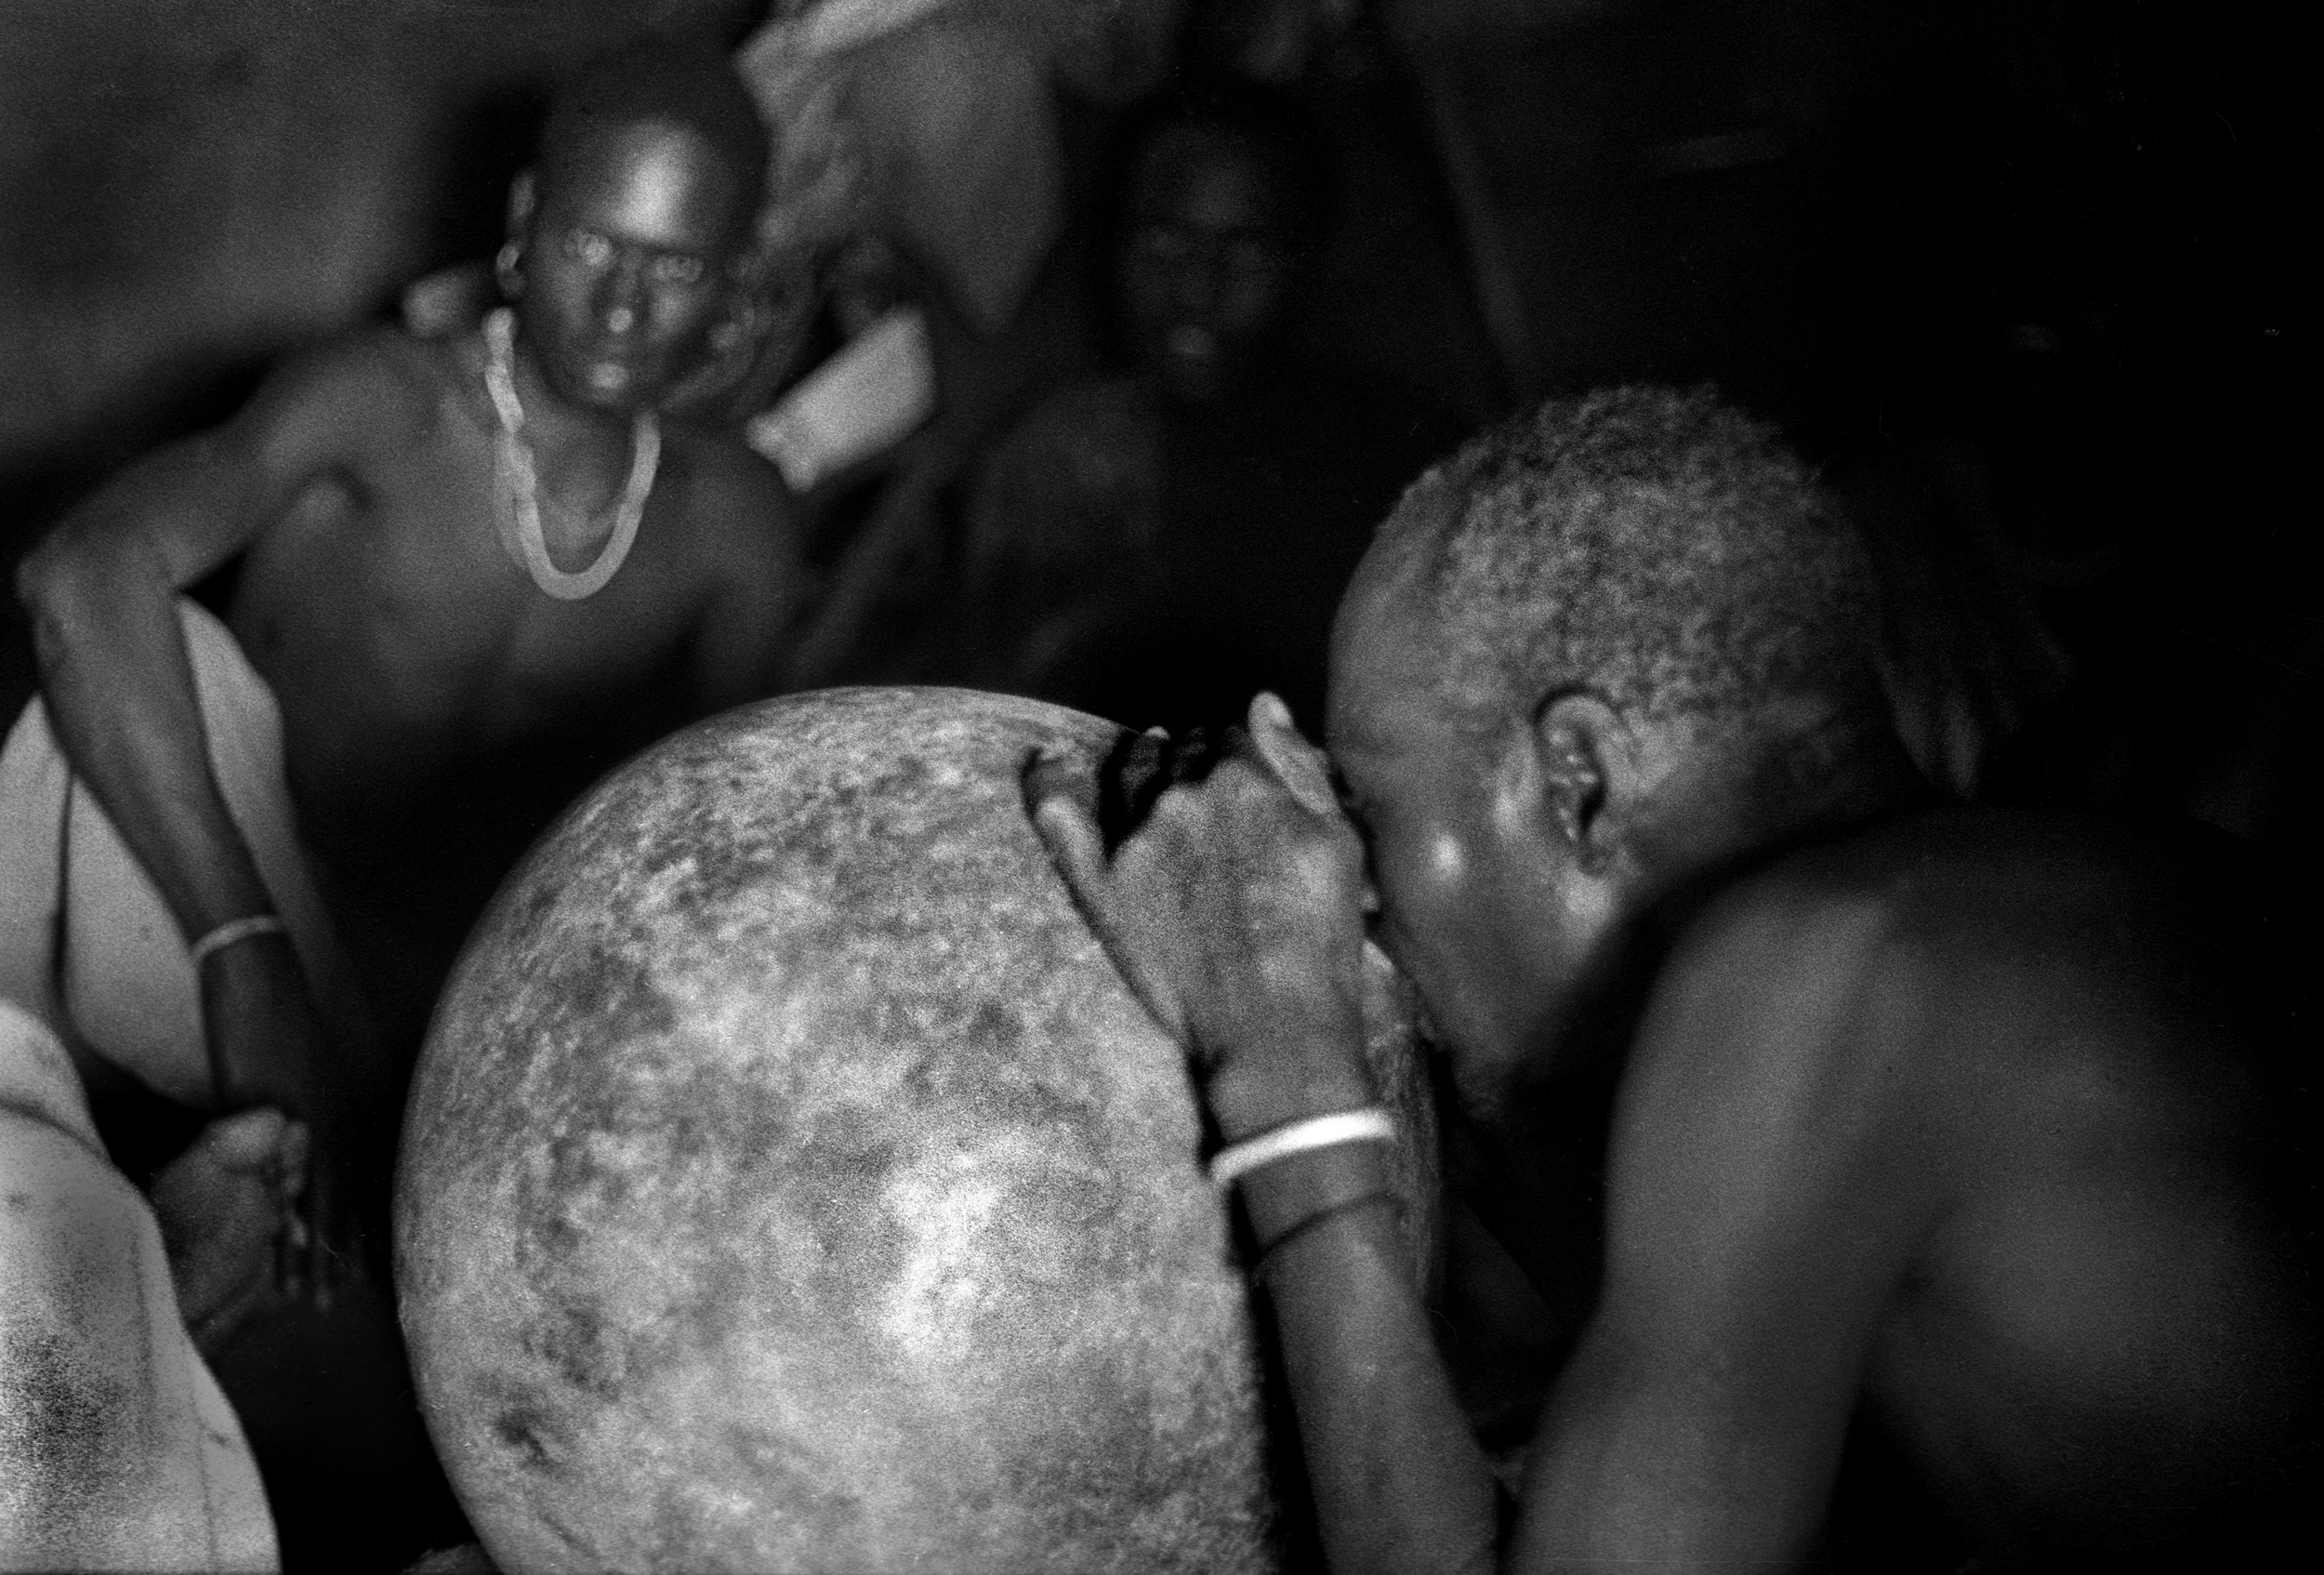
x: 1758, y: 1222
x: 1760, y: 1215
x: 1236, y: 911
x: 1398, y: 1481
x: 101, y: 592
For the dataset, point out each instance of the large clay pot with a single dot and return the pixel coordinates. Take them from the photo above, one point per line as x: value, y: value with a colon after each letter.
x: 791, y: 1184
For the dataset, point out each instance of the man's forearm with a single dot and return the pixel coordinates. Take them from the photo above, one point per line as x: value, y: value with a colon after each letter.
x: 122, y: 701
x: 1398, y: 1481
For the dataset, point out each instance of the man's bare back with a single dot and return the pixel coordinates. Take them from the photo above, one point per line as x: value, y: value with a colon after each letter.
x: 1982, y: 1104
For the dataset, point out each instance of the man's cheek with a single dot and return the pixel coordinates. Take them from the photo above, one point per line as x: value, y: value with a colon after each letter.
x: 680, y: 314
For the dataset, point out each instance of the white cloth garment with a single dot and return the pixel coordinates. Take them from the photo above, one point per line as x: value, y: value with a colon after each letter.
x: 117, y: 1450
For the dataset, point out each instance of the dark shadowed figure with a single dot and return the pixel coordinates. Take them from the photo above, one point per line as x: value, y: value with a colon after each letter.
x: 1238, y: 479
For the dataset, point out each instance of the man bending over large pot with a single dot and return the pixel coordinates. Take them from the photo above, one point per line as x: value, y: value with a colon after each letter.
x: 1956, y: 1123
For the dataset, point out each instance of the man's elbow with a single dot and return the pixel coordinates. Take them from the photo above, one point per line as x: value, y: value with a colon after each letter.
x: 65, y: 586
x: 49, y: 587
x: 40, y: 576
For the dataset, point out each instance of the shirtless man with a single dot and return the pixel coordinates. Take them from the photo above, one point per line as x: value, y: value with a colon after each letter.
x: 1952, y: 1122
x: 474, y: 573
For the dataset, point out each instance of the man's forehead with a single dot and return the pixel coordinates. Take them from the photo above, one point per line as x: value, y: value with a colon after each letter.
x: 1385, y: 656
x: 652, y: 182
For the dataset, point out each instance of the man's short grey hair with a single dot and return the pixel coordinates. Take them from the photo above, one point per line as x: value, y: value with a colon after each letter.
x: 1653, y: 547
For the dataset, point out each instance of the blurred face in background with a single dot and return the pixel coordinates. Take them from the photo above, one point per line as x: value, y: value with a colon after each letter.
x: 1204, y: 266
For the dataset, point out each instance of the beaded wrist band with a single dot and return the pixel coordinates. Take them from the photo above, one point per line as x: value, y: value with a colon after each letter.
x: 1371, y: 1124
x: 233, y: 932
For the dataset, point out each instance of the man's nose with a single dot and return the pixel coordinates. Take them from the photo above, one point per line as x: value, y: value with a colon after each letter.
x: 621, y: 300
x: 1198, y: 285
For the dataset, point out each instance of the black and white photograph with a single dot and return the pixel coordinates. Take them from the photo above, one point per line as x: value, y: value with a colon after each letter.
x: 1158, y: 787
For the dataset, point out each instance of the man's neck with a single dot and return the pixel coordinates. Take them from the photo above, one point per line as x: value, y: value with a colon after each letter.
x: 1712, y: 834
x: 581, y: 458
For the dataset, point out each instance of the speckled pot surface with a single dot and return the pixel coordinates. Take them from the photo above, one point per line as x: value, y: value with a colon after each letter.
x: 791, y: 1184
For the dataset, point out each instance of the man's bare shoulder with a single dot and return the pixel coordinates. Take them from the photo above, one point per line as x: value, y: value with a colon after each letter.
x: 1958, y: 946
x: 372, y: 385
x: 1986, y: 884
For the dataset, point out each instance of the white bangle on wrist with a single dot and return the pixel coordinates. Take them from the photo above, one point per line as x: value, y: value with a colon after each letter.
x: 233, y: 932
x: 1371, y: 1124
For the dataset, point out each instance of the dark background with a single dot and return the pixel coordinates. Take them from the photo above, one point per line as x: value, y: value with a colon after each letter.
x: 1848, y: 213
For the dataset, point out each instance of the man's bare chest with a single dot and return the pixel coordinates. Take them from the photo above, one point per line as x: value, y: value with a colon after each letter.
x: 390, y: 599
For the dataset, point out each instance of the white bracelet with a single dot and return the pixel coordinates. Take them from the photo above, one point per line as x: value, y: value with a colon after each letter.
x: 234, y: 931
x: 1371, y: 1124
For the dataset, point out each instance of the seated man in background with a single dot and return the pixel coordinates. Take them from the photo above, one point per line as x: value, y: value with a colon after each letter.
x: 1274, y: 466
x: 473, y: 574
x: 1810, y: 1105
x: 1229, y: 480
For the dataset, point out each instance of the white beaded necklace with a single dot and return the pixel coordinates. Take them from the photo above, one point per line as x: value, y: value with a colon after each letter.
x: 516, y: 489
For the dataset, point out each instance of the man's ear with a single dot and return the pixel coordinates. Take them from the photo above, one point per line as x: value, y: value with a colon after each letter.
x: 1583, y: 772
x: 524, y: 200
